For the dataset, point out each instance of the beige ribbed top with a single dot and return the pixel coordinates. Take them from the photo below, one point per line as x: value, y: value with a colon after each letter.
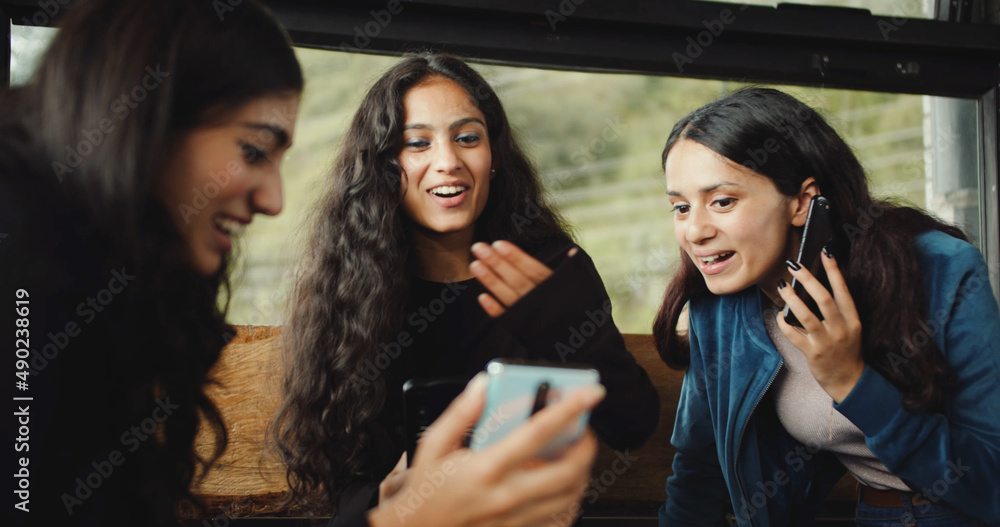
x: 807, y: 412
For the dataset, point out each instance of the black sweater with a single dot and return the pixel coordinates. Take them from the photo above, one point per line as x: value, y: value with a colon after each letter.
x: 93, y: 347
x: 565, y: 319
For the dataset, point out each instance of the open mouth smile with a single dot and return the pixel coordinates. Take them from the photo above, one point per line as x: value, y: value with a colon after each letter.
x: 714, y: 263
x: 448, y: 191
x: 229, y: 226
x: 449, y: 196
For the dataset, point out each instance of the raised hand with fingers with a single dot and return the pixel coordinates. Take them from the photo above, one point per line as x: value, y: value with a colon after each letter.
x: 832, y: 346
x: 507, y: 272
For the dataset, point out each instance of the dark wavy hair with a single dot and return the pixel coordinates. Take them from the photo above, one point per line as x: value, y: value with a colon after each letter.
x: 350, y: 296
x: 183, y: 65
x: 877, y: 236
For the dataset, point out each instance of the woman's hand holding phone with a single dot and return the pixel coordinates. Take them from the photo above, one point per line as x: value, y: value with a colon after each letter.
x: 832, y: 346
x: 503, y: 484
x: 507, y: 272
x: 394, y: 481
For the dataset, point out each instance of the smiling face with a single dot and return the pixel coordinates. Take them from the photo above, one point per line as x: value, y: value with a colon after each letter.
x: 219, y: 176
x: 732, y: 222
x: 446, y: 160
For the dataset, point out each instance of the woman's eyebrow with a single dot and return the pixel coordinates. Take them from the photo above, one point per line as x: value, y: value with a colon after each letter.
x: 454, y: 125
x: 705, y: 190
x: 280, y: 135
x: 467, y: 120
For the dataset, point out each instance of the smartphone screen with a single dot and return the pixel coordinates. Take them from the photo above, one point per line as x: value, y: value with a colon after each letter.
x: 818, y: 233
x: 517, y: 390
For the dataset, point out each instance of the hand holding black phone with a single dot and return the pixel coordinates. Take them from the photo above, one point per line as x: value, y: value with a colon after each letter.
x: 817, y: 234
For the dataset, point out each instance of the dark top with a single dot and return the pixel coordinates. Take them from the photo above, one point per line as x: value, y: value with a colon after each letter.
x: 565, y: 319
x: 63, y: 427
x: 85, y: 433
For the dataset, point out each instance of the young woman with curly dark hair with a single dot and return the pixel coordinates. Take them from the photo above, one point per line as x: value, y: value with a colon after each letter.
x: 433, y: 252
x: 897, y: 381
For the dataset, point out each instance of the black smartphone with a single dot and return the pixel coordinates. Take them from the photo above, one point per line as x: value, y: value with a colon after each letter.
x: 818, y: 233
x: 424, y: 400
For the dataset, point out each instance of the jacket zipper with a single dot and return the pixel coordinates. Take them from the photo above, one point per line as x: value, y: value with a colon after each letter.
x: 739, y: 443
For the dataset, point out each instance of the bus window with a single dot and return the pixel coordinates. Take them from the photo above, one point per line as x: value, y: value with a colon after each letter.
x: 26, y: 46
x: 596, y: 139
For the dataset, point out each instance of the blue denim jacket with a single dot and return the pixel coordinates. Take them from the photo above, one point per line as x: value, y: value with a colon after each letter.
x: 731, y: 447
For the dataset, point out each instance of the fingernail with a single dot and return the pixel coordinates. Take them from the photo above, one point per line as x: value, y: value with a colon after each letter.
x: 793, y: 265
x: 826, y: 251
x: 595, y: 394
x: 572, y: 252
x: 782, y: 283
x: 477, y: 383
x: 480, y: 249
x: 477, y: 268
x: 501, y: 247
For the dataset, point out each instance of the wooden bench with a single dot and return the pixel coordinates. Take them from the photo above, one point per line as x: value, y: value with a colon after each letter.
x: 248, y: 481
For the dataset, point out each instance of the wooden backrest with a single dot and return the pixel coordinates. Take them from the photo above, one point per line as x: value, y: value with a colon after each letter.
x: 249, y: 480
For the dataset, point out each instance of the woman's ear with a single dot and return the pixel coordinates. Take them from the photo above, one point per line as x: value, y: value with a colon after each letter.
x: 809, y: 189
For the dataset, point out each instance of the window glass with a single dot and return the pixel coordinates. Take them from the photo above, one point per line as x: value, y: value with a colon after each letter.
x: 27, y: 43
x: 597, y: 140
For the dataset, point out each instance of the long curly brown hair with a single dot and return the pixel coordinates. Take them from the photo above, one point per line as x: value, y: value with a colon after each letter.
x: 881, y: 273
x: 349, y: 300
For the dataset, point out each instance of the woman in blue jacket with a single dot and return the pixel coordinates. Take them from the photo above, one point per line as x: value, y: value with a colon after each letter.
x: 897, y: 382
